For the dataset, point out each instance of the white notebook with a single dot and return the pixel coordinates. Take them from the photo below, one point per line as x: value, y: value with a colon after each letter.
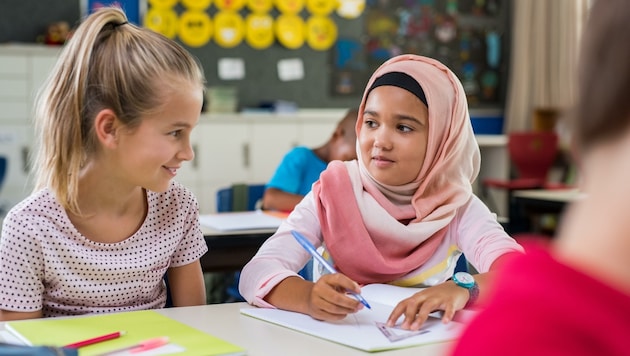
x: 364, y: 330
x: 244, y: 220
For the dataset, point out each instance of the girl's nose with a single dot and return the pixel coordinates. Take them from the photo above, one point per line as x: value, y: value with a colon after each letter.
x: 187, y: 153
x: 382, y: 139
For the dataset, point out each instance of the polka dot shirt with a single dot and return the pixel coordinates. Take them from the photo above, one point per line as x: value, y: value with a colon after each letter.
x: 47, y: 264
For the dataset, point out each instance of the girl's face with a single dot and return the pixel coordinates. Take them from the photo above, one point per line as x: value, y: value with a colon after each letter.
x: 393, y: 138
x: 151, y: 153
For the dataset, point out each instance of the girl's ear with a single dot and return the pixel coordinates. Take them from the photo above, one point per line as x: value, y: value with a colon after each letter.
x: 107, y: 128
x: 339, y: 132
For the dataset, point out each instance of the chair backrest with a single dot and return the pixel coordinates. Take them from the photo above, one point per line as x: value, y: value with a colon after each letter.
x: 239, y: 197
x: 3, y: 169
x: 533, y: 153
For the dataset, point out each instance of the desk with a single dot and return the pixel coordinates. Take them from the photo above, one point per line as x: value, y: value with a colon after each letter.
x: 261, y: 338
x: 495, y: 163
x: 533, y: 202
x: 231, y: 250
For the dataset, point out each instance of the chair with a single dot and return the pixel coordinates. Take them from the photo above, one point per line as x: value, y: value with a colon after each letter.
x: 532, y: 155
x: 3, y: 171
x: 239, y: 197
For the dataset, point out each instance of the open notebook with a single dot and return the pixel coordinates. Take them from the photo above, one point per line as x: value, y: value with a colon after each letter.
x: 137, y: 325
x: 365, y: 330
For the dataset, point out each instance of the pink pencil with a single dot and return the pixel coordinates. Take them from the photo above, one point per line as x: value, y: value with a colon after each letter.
x: 141, y: 346
x: 95, y: 340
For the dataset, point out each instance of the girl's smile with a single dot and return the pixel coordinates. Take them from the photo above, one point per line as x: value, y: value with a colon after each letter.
x: 382, y: 161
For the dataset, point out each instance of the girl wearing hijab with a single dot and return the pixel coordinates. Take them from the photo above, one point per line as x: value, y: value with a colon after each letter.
x: 402, y: 213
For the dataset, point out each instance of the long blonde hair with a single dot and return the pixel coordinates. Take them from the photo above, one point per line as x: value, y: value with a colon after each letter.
x: 107, y: 63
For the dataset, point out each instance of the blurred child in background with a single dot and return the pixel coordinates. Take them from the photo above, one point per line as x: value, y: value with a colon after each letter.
x: 301, y: 166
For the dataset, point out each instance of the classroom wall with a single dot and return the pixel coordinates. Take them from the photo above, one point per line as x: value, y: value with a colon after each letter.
x: 23, y: 20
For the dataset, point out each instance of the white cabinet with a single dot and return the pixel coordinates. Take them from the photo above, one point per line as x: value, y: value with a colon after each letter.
x: 241, y: 148
x: 15, y: 145
x: 269, y: 142
x: 316, y: 133
x: 495, y: 163
x: 221, y: 150
x: 23, y: 68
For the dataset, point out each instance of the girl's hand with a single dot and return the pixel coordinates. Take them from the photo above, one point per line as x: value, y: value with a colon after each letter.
x: 328, y: 299
x: 446, y: 296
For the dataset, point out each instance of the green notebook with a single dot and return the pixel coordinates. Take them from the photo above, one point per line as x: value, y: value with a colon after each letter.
x: 137, y: 325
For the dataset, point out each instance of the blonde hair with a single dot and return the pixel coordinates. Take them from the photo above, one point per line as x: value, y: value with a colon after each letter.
x: 108, y: 63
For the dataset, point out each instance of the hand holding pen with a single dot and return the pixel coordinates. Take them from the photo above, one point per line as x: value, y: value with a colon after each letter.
x: 311, y: 249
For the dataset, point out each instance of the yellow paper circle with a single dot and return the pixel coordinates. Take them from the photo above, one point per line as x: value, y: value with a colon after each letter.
x: 229, y: 29
x: 350, y: 9
x: 234, y: 5
x: 196, y: 4
x: 290, y: 31
x: 259, y: 6
x: 259, y: 31
x: 162, y: 21
x: 321, y: 32
x: 195, y: 28
x: 320, y: 7
x: 162, y: 4
x: 289, y: 6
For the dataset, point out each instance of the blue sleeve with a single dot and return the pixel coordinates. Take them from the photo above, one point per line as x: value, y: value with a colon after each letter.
x: 297, y: 171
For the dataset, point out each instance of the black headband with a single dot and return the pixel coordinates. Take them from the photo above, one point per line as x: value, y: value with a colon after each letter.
x: 401, y: 80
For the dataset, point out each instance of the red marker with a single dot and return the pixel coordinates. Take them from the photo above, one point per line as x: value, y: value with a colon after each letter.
x: 96, y: 340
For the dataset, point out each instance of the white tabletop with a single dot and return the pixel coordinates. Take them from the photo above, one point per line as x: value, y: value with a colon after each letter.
x: 239, y: 223
x: 553, y: 195
x: 261, y: 338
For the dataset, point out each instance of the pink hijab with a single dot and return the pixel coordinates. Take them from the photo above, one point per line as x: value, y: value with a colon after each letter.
x: 364, y: 223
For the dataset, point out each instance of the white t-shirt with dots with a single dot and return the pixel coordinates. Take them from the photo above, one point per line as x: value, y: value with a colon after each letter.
x: 47, y: 264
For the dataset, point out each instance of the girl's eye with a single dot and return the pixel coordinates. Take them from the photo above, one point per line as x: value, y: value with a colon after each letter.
x: 370, y: 123
x: 404, y: 128
x: 175, y: 133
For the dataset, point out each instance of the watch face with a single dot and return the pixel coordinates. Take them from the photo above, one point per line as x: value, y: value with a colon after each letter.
x: 464, y: 279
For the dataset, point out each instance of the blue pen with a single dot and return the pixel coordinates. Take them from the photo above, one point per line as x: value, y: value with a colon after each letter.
x: 308, y: 246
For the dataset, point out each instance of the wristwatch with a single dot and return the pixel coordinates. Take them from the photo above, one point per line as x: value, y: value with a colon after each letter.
x: 466, y: 280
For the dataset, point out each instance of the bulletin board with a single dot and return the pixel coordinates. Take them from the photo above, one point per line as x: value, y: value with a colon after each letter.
x: 217, y: 32
x: 470, y: 37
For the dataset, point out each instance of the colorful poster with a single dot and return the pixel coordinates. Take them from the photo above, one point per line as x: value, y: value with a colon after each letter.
x: 134, y: 9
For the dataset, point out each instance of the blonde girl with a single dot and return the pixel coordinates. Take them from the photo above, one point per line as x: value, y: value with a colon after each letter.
x: 106, y: 222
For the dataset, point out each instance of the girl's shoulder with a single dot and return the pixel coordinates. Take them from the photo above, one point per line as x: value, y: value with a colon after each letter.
x: 41, y: 202
x: 474, y: 205
x: 474, y: 213
x: 301, y: 153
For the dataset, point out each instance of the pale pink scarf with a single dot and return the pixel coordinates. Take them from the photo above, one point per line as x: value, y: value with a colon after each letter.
x: 361, y: 218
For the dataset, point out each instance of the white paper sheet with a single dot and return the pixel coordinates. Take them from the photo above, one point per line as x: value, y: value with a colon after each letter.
x: 360, y: 330
x: 246, y: 220
x: 231, y: 68
x: 290, y: 69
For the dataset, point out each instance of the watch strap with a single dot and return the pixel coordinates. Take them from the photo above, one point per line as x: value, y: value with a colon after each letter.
x: 473, y: 295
